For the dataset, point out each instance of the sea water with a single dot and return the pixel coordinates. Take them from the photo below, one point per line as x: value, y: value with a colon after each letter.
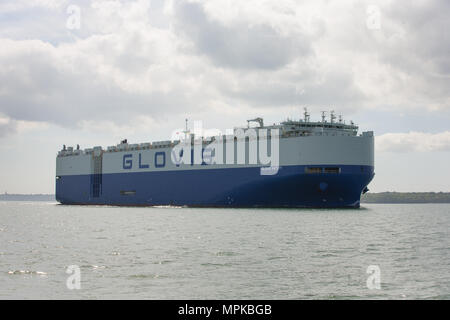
x: 380, y: 251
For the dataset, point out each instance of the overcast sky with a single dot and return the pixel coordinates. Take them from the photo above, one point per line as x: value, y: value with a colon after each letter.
x: 137, y: 69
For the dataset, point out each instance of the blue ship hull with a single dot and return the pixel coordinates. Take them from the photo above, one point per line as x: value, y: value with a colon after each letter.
x: 230, y: 187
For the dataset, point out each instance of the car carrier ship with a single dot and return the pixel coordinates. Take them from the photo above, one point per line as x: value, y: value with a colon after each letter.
x: 319, y: 164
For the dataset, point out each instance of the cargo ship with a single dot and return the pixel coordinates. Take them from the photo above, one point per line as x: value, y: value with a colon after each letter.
x: 295, y: 163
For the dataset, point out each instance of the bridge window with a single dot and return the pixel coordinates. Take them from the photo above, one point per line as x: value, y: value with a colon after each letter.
x: 333, y: 170
x: 313, y: 170
x: 128, y: 193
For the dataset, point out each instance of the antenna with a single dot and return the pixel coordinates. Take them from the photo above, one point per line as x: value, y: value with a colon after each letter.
x: 306, y: 114
x: 340, y: 118
x: 332, y: 116
x: 324, y: 115
x: 186, y: 131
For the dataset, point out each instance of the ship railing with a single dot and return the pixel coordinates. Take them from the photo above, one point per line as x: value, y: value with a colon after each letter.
x: 133, y: 147
x: 164, y: 144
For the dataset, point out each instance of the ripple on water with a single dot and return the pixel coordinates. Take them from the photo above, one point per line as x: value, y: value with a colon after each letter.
x: 31, y: 272
x: 210, y: 264
x: 98, y: 267
x: 226, y: 253
x: 146, y: 276
x: 93, y: 267
x: 163, y: 262
x: 278, y: 258
x: 325, y: 255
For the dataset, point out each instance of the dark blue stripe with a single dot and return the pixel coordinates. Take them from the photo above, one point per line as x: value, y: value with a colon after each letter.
x: 234, y: 187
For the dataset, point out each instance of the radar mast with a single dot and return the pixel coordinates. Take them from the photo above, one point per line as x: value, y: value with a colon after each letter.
x: 306, y: 114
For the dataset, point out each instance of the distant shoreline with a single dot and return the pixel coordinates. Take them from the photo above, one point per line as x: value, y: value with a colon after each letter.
x: 27, y: 197
x: 406, y: 197
x: 380, y: 197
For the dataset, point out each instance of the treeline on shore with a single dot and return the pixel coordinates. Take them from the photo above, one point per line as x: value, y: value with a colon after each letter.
x: 27, y: 197
x: 406, y: 197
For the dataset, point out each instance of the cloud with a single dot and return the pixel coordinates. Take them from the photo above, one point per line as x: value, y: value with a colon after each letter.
x: 7, y: 126
x: 413, y: 142
x: 415, y: 53
x: 97, y: 78
x: 17, y: 5
x: 243, y: 45
x: 213, y: 58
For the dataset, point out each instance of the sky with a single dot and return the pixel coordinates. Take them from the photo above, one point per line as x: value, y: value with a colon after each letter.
x: 96, y: 72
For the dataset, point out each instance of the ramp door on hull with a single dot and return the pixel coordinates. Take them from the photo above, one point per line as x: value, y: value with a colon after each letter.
x: 96, y: 177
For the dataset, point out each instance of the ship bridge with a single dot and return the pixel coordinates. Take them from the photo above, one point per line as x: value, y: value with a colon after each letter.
x: 306, y: 127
